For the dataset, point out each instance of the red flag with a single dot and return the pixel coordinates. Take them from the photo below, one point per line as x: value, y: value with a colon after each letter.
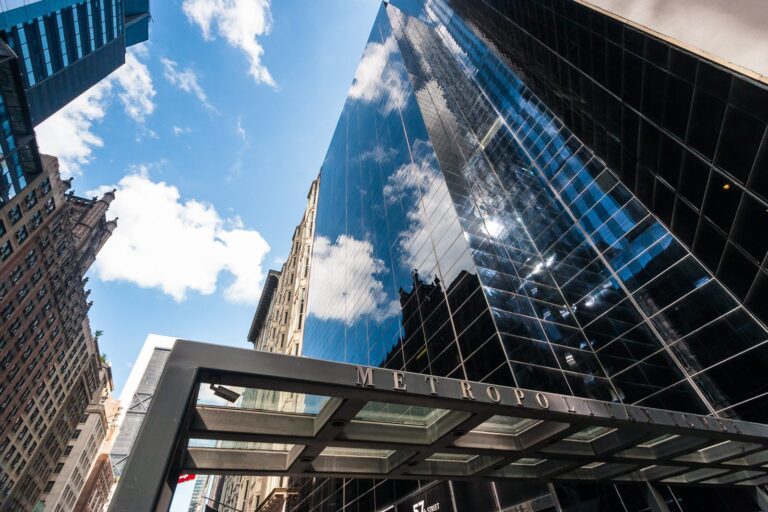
x: 186, y: 478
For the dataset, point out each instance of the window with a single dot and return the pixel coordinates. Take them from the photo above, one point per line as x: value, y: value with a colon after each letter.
x: 68, y: 449
x: 58, y: 468
x: 31, y: 200
x: 5, y: 251
x: 45, y: 186
x: 37, y: 219
x: 301, y: 315
x: 14, y: 214
x: 15, y: 274
x: 21, y: 235
x: 2, y: 228
x: 31, y: 258
x: 76, y: 433
x: 49, y: 486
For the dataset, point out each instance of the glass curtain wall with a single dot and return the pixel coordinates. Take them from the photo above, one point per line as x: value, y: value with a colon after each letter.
x: 465, y: 230
x: 48, y: 44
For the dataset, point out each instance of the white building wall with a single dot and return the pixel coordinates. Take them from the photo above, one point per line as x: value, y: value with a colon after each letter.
x: 731, y: 32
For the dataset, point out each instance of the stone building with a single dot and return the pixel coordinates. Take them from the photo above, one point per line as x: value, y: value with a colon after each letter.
x: 278, y: 326
x: 78, y: 480
x: 50, y: 365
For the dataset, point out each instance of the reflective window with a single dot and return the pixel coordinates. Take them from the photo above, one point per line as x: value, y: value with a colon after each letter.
x: 560, y: 209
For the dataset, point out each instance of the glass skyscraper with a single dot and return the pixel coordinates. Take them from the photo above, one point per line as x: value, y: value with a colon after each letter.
x: 19, y: 158
x: 65, y: 46
x: 535, y: 194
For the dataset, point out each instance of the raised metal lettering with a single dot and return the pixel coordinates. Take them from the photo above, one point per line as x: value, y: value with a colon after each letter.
x: 542, y: 400
x: 432, y: 384
x: 398, y: 384
x: 493, y: 394
x: 466, y: 390
x: 519, y: 395
x: 364, y: 376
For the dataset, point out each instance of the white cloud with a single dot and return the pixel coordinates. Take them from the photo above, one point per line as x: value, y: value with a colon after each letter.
x: 186, y: 80
x: 374, y: 78
x: 241, y: 131
x: 240, y: 22
x: 345, y: 267
x: 236, y: 169
x: 178, y: 130
x: 69, y: 133
x: 137, y: 92
x: 419, y: 183
x: 178, y: 245
x: 378, y: 154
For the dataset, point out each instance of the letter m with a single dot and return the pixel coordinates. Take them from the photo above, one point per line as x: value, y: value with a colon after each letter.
x: 364, y: 376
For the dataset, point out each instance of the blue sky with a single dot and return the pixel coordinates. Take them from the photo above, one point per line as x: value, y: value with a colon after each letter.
x: 196, y: 141
x: 212, y: 133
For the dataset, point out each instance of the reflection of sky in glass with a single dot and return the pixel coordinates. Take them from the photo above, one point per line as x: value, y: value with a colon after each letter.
x: 383, y: 212
x: 456, y: 167
x: 7, y: 5
x: 599, y: 244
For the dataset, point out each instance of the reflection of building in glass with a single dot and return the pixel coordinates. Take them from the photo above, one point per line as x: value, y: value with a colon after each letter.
x: 278, y: 326
x: 562, y: 217
x: 66, y: 47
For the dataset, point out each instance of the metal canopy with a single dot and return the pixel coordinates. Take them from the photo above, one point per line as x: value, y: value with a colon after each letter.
x: 354, y: 421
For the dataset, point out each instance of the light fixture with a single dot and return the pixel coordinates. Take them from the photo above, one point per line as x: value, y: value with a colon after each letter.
x: 726, y: 186
x: 225, y: 393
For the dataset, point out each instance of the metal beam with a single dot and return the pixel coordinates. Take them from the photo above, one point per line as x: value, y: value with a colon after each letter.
x: 149, y: 477
x: 534, y: 435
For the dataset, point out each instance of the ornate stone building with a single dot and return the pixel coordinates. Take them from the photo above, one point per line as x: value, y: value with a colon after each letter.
x: 49, y: 371
x: 278, y: 326
x: 79, y: 480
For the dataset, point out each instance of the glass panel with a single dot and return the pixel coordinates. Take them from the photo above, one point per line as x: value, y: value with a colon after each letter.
x: 239, y: 445
x: 451, y: 457
x: 590, y: 434
x: 657, y: 441
x: 263, y: 399
x: 526, y: 461
x: 356, y: 452
x: 506, y: 425
x: 402, y: 414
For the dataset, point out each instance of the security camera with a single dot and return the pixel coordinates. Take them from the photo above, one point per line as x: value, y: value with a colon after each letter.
x: 225, y: 393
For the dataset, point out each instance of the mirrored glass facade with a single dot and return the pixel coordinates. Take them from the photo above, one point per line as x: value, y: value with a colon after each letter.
x: 19, y: 158
x: 500, y: 203
x: 66, y: 47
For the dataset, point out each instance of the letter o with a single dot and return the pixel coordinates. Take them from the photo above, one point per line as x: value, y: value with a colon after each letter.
x: 542, y: 400
x: 493, y: 394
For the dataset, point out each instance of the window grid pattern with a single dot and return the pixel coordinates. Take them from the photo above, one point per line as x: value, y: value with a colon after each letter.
x: 50, y: 43
x: 473, y: 228
x: 685, y: 135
